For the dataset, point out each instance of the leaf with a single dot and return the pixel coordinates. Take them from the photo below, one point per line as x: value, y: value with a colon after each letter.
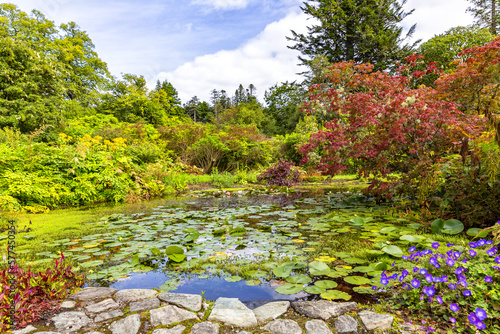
x: 314, y: 290
x: 363, y: 289
x: 318, y: 268
x: 437, y: 226
x: 357, y: 220
x: 357, y: 280
x: 289, y: 289
x: 381, y: 266
x: 412, y: 238
x: 393, y: 250
x: 174, y: 250
x: 284, y: 270
x: 335, y: 294
x: 299, y: 279
x: 177, y: 257
x: 453, y: 226
x: 233, y: 279
x: 324, y: 284
x: 473, y: 231
x: 155, y: 251
x: 253, y: 282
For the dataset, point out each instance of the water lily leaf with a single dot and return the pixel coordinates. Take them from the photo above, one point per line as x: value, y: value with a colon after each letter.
x: 253, y: 282
x: 355, y: 260
x: 192, y: 237
x: 318, y: 268
x: 412, y: 238
x: 257, y: 273
x: 357, y: 280
x: 364, y: 269
x: 335, y: 294
x: 314, y: 290
x: 238, y: 231
x: 177, y: 257
x: 336, y: 274
x: 473, y: 231
x: 289, y: 289
x: 437, y: 226
x: 299, y: 279
x: 452, y: 226
x: 326, y: 284
x: 219, y: 232
x: 393, y: 250
x: 174, y: 250
x: 284, y: 270
x: 357, y: 220
x: 363, y: 290
x: 233, y: 278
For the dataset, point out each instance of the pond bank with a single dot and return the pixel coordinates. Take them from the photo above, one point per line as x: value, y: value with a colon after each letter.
x: 141, y: 311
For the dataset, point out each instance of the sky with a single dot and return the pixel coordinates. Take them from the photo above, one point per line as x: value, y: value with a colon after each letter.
x: 201, y: 45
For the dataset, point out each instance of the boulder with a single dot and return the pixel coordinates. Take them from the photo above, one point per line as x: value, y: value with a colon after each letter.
x: 323, y: 309
x: 128, y: 325
x: 187, y: 301
x: 169, y: 314
x: 232, y: 312
x: 283, y: 326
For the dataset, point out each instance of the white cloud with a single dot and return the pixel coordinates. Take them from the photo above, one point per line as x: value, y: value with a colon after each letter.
x: 263, y: 61
x: 435, y: 17
x: 222, y: 4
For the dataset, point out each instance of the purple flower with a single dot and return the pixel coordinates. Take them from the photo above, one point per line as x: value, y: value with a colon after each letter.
x: 452, y: 286
x: 437, y: 279
x: 435, y: 245
x: 467, y: 293
x: 445, y: 278
x: 472, y: 253
x: 481, y: 242
x: 404, y: 273
x: 489, y: 242
x: 480, y: 325
x: 488, y: 279
x: 423, y: 271
x: 472, y: 318
x: 428, y: 278
x: 463, y: 283
x: 449, y: 245
x: 459, y: 270
x: 439, y: 299
x: 433, y: 261
x: 429, y: 291
x: 415, y: 283
x: 454, y: 307
x: 457, y: 254
x: 450, y: 262
x: 492, y: 251
x: 384, y: 281
x: 481, y: 314
x: 453, y: 320
x: 412, y: 249
x: 497, y: 259
x: 415, y: 269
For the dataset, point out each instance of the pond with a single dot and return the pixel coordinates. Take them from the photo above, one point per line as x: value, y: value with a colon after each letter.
x: 251, y: 244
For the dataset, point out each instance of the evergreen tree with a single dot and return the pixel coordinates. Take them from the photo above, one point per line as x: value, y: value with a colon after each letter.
x: 486, y: 13
x: 359, y: 30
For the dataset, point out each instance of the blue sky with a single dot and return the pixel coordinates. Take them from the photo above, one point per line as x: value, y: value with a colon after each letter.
x: 199, y: 45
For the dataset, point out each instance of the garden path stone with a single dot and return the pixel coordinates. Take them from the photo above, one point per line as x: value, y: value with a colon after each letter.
x: 373, y: 320
x: 70, y: 321
x: 174, y: 330
x: 108, y: 315
x: 92, y: 293
x: 104, y: 306
x: 317, y: 327
x: 187, y: 301
x: 346, y: 324
x: 323, y: 309
x: 205, y: 328
x: 271, y: 310
x: 26, y: 330
x: 232, y: 312
x: 133, y: 295
x: 128, y: 325
x: 144, y: 305
x: 169, y: 314
x: 68, y: 304
x: 283, y: 326
x: 93, y: 333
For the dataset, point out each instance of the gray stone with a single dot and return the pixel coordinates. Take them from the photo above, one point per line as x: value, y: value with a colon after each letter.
x: 104, y: 306
x: 169, y: 314
x: 70, y: 321
x: 346, y: 324
x: 187, y: 301
x: 108, y: 315
x: 317, y: 327
x: 174, y: 330
x: 93, y: 333
x: 26, y: 330
x: 133, y: 295
x: 92, y: 293
x: 47, y: 333
x: 244, y: 332
x: 232, y: 312
x: 205, y: 328
x: 68, y: 304
x: 128, y: 325
x: 270, y: 310
x: 144, y: 305
x: 283, y: 326
x: 323, y: 309
x: 373, y: 320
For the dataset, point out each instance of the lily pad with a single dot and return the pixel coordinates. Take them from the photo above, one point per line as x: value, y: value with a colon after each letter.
x: 335, y: 294
x: 357, y: 280
x: 314, y: 290
x: 318, y: 268
x: 299, y: 279
x: 233, y: 279
x: 289, y: 289
x: 393, y: 250
x: 326, y: 284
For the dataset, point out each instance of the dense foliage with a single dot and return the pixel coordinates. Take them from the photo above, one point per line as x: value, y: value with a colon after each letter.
x: 34, y: 293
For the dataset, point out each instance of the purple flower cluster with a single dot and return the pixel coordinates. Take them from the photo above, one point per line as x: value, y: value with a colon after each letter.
x: 454, y: 284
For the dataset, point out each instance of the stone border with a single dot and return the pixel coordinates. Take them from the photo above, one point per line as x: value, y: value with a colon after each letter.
x: 144, y: 311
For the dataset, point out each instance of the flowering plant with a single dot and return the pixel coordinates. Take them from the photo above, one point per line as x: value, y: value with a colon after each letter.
x: 455, y: 288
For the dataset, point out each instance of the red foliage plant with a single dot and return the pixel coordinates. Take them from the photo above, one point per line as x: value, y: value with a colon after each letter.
x: 382, y: 125
x: 25, y: 295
